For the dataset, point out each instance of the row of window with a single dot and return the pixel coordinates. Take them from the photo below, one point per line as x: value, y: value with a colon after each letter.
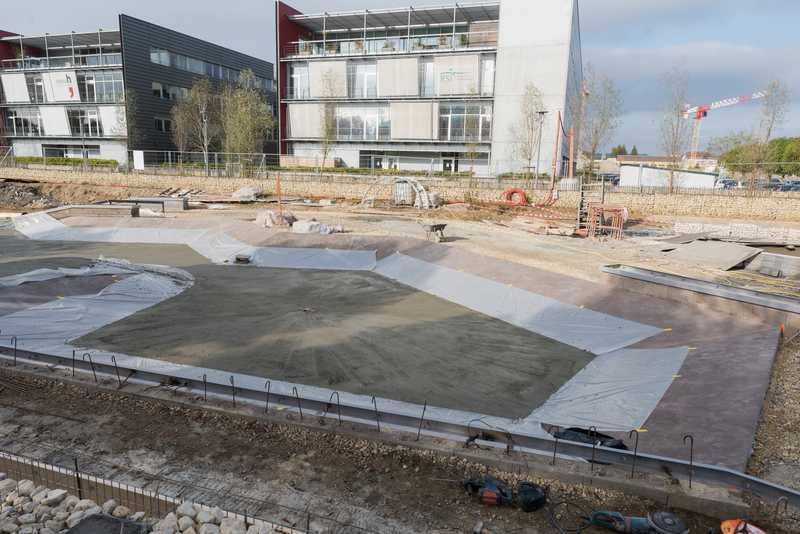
x: 99, y: 86
x: 458, y: 122
x: 362, y: 78
x: 163, y: 125
x: 160, y: 56
x: 169, y: 92
x: 27, y: 122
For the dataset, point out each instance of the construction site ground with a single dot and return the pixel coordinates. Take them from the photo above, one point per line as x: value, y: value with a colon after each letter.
x: 381, y: 485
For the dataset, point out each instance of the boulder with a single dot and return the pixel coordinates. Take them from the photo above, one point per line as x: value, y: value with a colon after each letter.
x: 109, y: 506
x: 204, y: 516
x: 46, y: 530
x: 229, y: 525
x: 75, y: 518
x: 26, y: 519
x: 138, y: 516
x: 93, y: 511
x: 121, y: 512
x: 185, y: 522
x: 306, y: 227
x: 205, y: 528
x: 84, y: 504
x: 25, y: 487
x: 8, y: 526
x: 219, y: 514
x: 169, y: 521
x: 28, y: 507
x: 61, y: 516
x: 246, y: 194
x: 52, y: 524
x: 190, y: 530
x: 70, y: 502
x: 186, y: 509
x: 54, y: 497
x: 39, y: 495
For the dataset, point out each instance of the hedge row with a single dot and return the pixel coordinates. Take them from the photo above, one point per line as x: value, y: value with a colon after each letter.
x: 73, y: 162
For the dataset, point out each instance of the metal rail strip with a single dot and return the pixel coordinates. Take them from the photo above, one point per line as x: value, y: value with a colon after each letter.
x: 513, y: 441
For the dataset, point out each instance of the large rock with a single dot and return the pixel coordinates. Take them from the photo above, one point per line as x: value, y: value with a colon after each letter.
x: 54, y: 497
x: 28, y: 507
x: 206, y: 528
x: 121, y: 512
x: 205, y: 516
x: 70, y: 502
x: 75, y: 518
x: 190, y: 530
x: 185, y: 522
x: 61, y: 516
x: 39, y: 495
x: 219, y: 514
x: 52, y: 524
x: 25, y: 487
x: 94, y: 510
x: 229, y: 525
x: 170, y: 521
x: 8, y: 526
x: 43, y: 512
x: 46, y: 530
x: 186, y: 509
x: 138, y: 516
x: 26, y: 519
x: 109, y: 506
x: 84, y: 504
x: 246, y: 194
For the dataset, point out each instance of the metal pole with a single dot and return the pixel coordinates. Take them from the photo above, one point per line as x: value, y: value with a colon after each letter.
x: 100, y: 45
x: 72, y: 46
x: 22, y: 52
x: 539, y: 148
x: 46, y: 51
x: 455, y: 16
x: 408, y: 31
x: 324, y: 33
x: 571, y: 150
x: 365, y: 31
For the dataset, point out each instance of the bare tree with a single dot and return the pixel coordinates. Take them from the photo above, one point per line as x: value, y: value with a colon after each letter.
x: 528, y: 128
x: 247, y: 120
x: 199, y: 117
x: 598, y: 112
x: 774, y: 109
x: 330, y: 83
x: 674, y: 129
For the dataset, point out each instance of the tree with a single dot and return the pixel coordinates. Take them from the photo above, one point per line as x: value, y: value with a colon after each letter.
x: 131, y: 109
x: 601, y: 110
x: 526, y: 132
x: 774, y: 109
x: 634, y: 151
x: 329, y: 134
x: 199, y: 118
x: 674, y: 128
x: 619, y: 150
x: 247, y: 119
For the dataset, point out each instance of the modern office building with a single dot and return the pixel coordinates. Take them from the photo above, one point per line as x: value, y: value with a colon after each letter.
x: 102, y: 93
x: 419, y: 86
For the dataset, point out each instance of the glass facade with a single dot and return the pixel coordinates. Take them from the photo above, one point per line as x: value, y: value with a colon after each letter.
x: 101, y: 86
x: 35, y: 87
x: 299, y: 85
x: 362, y: 79
x: 24, y: 122
x: 487, y: 75
x: 84, y: 122
x: 169, y: 92
x: 160, y: 56
x: 363, y: 123
x: 465, y: 122
x: 427, y: 77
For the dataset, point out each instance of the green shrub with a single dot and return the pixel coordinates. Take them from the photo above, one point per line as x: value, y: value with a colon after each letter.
x: 69, y: 162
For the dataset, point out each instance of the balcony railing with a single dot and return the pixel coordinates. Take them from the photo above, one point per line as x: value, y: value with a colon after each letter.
x: 391, y: 45
x: 62, y: 62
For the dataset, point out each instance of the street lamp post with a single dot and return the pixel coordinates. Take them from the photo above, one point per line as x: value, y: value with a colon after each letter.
x: 539, y: 144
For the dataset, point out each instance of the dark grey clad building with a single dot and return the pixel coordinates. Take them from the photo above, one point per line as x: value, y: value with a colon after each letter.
x: 103, y: 93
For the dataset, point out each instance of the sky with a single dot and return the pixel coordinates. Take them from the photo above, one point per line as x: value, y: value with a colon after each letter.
x: 727, y: 47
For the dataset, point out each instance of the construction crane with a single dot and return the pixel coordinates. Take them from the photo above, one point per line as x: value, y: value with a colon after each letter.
x: 698, y: 113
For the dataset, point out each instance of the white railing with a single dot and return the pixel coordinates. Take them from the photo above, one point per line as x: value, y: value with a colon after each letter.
x: 391, y: 45
x: 62, y: 62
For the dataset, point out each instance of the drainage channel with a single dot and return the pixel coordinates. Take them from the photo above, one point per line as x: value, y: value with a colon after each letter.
x: 716, y: 476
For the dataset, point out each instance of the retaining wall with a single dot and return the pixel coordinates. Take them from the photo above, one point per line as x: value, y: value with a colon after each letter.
x: 774, y: 206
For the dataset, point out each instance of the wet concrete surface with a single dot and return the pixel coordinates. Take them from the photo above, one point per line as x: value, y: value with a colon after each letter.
x: 348, y: 331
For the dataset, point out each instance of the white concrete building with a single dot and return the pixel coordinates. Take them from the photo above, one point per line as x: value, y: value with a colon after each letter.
x: 428, y: 88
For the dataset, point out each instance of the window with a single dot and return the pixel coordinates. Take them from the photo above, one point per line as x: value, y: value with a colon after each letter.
x: 465, y: 122
x: 427, y: 77
x: 362, y: 79
x: 163, y: 125
x: 159, y: 56
x: 35, y: 87
x: 84, y: 122
x: 487, y: 75
x: 298, y: 81
x: 158, y: 90
x: 24, y: 122
x: 101, y: 86
x: 363, y: 123
x: 70, y: 151
x: 169, y: 92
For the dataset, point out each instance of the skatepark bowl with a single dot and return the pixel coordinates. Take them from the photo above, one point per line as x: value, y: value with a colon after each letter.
x: 400, y: 322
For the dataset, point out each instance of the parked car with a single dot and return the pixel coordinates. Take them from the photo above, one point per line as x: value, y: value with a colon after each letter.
x: 790, y: 185
x: 726, y: 183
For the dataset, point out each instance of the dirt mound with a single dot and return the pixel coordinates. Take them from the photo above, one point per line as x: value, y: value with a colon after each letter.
x: 25, y: 196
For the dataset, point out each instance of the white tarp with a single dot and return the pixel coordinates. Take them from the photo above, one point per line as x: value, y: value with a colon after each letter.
x: 42, y: 275
x: 581, y: 328
x: 617, y: 391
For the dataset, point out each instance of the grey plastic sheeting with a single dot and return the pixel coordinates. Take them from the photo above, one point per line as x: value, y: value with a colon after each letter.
x: 43, y: 275
x: 718, y: 254
x: 616, y: 391
x: 215, y: 245
x: 581, y: 328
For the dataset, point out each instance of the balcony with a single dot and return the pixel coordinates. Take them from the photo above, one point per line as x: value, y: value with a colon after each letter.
x: 62, y: 62
x: 392, y: 45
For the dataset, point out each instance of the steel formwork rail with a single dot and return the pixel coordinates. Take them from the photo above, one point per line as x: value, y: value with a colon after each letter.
x: 709, y: 474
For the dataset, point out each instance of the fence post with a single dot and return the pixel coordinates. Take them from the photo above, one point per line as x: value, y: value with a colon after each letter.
x: 78, y: 479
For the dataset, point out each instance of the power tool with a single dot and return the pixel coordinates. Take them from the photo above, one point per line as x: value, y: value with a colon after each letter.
x: 529, y: 497
x: 655, y: 523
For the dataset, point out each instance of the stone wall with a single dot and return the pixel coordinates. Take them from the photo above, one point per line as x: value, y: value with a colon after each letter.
x: 765, y: 207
